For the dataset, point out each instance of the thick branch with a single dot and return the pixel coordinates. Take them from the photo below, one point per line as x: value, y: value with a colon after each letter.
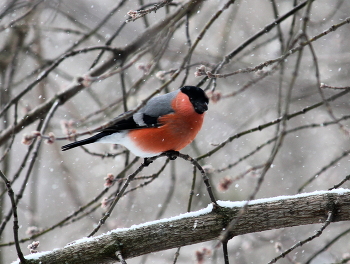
x: 204, y: 225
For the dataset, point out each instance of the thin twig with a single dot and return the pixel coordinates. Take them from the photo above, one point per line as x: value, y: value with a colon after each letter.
x: 171, y: 155
x: 46, y: 72
x: 292, y: 130
x: 334, y: 87
x: 204, y: 175
x: 121, y: 192
x: 13, y: 22
x: 111, y: 13
x: 324, y: 248
x: 170, y: 193
x: 75, y: 213
x: 269, y: 62
x: 189, y: 43
x: 225, y: 252
x: 177, y: 253
x: 300, y: 243
x: 9, y: 146
x: 260, y: 33
x: 15, y: 217
x: 323, y: 169
x: 278, y: 143
x: 141, y: 13
x: 278, y: 120
x: 32, y: 162
x: 347, y: 178
x: 120, y: 257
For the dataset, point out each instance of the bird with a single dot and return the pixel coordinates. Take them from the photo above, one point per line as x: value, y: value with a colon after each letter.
x: 167, y: 123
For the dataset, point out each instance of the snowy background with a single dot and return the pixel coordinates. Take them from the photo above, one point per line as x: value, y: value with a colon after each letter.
x: 61, y: 182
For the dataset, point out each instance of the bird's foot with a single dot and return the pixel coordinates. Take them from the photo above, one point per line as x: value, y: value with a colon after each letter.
x: 172, y: 154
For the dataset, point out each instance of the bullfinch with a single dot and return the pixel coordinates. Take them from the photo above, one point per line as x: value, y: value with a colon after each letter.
x: 167, y: 122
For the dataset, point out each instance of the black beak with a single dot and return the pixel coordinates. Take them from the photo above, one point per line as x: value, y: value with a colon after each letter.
x: 200, y: 107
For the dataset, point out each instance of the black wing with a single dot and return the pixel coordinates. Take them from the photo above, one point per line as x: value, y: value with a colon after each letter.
x: 125, y: 124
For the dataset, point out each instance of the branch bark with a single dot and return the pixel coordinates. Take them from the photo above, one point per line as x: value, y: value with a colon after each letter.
x: 203, y: 225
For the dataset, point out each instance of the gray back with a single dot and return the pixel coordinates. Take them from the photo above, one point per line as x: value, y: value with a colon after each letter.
x: 159, y: 105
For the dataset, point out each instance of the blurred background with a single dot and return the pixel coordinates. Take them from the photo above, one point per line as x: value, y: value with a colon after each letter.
x: 38, y: 40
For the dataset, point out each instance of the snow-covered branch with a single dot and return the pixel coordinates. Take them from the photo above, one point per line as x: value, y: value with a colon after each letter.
x: 203, y: 225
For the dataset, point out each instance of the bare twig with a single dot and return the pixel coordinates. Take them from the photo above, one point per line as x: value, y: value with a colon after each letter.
x: 347, y: 178
x: 261, y: 127
x: 141, y: 13
x: 301, y: 243
x: 204, y: 175
x: 323, y: 85
x: 32, y: 162
x: 323, y: 169
x: 171, y: 155
x: 121, y: 192
x: 46, y: 72
x: 120, y: 257
x: 260, y: 33
x: 225, y: 252
x: 68, y: 218
x: 15, y: 216
x: 330, y: 243
x: 13, y: 22
x: 292, y: 130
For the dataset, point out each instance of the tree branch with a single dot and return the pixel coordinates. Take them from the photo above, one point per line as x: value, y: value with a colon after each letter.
x: 203, y: 225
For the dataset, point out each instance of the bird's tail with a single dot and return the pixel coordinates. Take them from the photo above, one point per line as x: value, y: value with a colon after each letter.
x: 81, y: 142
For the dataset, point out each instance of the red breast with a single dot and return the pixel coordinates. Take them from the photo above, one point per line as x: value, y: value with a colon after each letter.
x: 176, y: 132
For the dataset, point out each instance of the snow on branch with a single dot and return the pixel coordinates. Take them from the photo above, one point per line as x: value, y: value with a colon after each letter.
x: 203, y: 225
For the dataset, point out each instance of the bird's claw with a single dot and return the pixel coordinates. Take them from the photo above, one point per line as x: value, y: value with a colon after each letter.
x: 172, y: 154
x: 146, y: 162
